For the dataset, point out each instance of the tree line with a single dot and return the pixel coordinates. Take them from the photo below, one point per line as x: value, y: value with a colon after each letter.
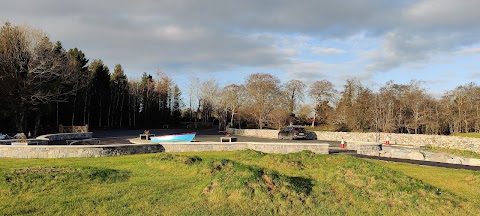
x: 262, y: 101
x: 42, y: 86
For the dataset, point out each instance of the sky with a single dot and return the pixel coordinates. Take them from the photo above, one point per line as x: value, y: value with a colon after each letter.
x: 373, y: 41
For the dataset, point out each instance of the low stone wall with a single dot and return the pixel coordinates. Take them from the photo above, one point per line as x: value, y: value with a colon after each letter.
x: 201, y: 147
x: 62, y: 151
x: 363, y: 147
x: 73, y: 129
x: 269, y: 134
x: 416, y: 154
x: 29, y: 142
x: 453, y: 142
x: 276, y: 148
x: 65, y: 136
x: 34, y: 151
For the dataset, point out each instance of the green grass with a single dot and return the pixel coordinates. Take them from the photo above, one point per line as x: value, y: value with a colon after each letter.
x: 321, y: 128
x: 231, y: 183
x: 463, y: 153
x: 471, y: 135
x: 464, y: 183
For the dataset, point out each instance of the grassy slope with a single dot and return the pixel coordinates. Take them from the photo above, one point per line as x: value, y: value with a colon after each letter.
x: 464, y: 183
x: 245, y: 182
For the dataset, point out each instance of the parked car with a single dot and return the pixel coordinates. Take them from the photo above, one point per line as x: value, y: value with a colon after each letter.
x: 292, y: 132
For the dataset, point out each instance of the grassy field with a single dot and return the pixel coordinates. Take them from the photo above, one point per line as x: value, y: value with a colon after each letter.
x: 471, y: 135
x: 233, y: 183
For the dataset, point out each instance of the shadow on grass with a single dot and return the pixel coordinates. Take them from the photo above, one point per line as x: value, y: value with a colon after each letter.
x: 46, y: 178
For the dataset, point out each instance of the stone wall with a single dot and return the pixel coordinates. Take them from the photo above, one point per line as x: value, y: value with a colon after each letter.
x: 276, y: 148
x: 364, y: 148
x: 29, y: 142
x: 34, y: 151
x: 73, y: 129
x: 453, y: 142
x: 57, y: 151
x: 65, y: 136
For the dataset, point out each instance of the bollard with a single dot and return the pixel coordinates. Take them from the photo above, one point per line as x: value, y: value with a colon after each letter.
x: 342, y: 144
x: 387, y: 141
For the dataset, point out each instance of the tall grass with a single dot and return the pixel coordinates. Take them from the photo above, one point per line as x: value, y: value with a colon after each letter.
x: 224, y: 183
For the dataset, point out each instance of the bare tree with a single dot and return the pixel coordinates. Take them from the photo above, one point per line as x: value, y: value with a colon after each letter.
x: 33, y: 69
x: 262, y: 91
x: 295, y: 92
x: 322, y: 92
x: 209, y: 91
x: 232, y: 96
x: 193, y: 97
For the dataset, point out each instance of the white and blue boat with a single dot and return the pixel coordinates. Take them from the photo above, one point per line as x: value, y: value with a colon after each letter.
x: 183, y: 137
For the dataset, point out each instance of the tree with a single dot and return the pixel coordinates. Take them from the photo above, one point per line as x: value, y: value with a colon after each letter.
x: 262, y: 91
x: 177, y: 104
x: 209, y: 91
x: 322, y: 93
x: 232, y: 96
x: 295, y: 92
x: 119, y: 90
x: 193, y: 96
x: 100, y: 93
x: 32, y: 72
x: 77, y: 64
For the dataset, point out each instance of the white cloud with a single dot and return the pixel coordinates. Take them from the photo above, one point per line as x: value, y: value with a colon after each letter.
x: 320, y: 51
x: 475, y: 50
x: 211, y: 35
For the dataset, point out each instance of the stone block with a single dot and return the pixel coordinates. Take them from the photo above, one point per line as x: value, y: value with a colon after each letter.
x: 473, y: 162
x: 415, y: 156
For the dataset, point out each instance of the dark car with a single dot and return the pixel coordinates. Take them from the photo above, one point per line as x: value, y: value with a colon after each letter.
x: 292, y: 132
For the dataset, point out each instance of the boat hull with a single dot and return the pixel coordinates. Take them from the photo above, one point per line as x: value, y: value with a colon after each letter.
x: 185, y: 137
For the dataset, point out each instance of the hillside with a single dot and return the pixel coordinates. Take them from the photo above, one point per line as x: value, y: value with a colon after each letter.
x: 230, y: 183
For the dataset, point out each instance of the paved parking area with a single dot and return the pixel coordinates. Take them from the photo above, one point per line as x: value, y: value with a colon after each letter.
x: 202, y: 136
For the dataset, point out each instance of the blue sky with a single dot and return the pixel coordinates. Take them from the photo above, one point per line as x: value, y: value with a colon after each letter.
x: 374, y: 41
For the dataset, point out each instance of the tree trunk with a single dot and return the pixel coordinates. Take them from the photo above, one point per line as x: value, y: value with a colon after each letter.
x: 233, y: 115
x: 19, y: 122
x: 37, y: 124
x: 121, y: 110
x: 313, y: 121
x: 85, y: 110
x: 74, y: 107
